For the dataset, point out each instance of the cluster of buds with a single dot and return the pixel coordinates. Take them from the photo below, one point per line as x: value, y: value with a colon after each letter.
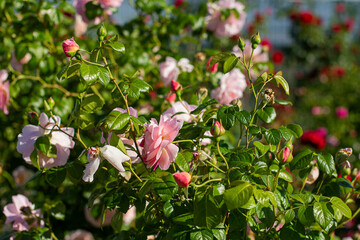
x: 269, y: 95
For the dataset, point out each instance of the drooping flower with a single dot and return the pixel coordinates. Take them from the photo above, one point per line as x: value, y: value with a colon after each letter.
x: 129, y: 216
x: 114, y: 156
x: 170, y: 69
x: 183, y: 179
x: 70, y: 47
x: 158, y: 147
x: 182, y: 111
x: 4, y: 92
x: 79, y: 235
x: 230, y: 26
x: 22, y: 214
x: 232, y: 86
x: 313, y: 175
x: 60, y: 137
x: 93, y: 158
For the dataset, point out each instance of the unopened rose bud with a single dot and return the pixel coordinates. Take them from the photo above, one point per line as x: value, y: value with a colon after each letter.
x: 33, y: 118
x: 70, y: 47
x: 345, y: 168
x: 183, y: 179
x: 101, y: 32
x: 212, y: 68
x: 256, y: 39
x: 237, y: 102
x: 343, y: 154
x: 51, y: 102
x: 175, y: 86
x: 202, y: 94
x: 284, y: 154
x: 217, y: 129
x: 171, y: 97
x: 241, y: 44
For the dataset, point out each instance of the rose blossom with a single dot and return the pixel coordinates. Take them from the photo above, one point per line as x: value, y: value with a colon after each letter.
x: 81, y: 10
x: 61, y: 139
x: 110, y: 3
x: 80, y: 26
x: 129, y: 216
x: 178, y: 108
x: 70, y: 47
x: 342, y: 112
x: 315, y: 138
x: 232, y: 86
x: 21, y: 175
x: 18, y: 65
x: 22, y: 213
x: 170, y: 69
x: 230, y: 26
x: 158, y: 149
x: 79, y: 235
x: 4, y: 92
x: 93, y: 158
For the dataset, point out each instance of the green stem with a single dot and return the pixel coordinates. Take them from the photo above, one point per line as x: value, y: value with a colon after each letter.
x: 132, y: 171
x: 185, y: 140
x: 209, y: 181
x: 79, y: 138
x: 321, y: 183
x: 352, y: 217
x: 276, y: 180
x: 226, y: 163
x: 94, y: 64
x: 213, y: 165
x: 303, y: 184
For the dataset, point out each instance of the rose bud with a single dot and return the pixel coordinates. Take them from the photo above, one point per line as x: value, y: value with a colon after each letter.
x: 255, y: 40
x: 212, y: 68
x: 70, y: 47
x: 101, y: 32
x: 345, y: 168
x: 183, y: 179
x: 241, y: 44
x: 175, y: 86
x: 171, y: 97
x: 343, y: 154
x: 284, y: 154
x: 217, y: 129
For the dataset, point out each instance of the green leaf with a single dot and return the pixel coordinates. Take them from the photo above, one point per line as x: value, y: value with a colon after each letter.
x: 283, y: 102
x: 55, y: 176
x: 104, y: 76
x: 203, y: 234
x: 261, y: 148
x: 136, y: 87
x: 322, y: 214
x: 206, y: 211
x: 164, y: 185
x: 302, y: 159
x: 75, y: 171
x: 244, y: 117
x: 226, y: 115
x: 238, y: 196
x: 89, y: 73
x: 58, y: 210
x: 272, y: 136
x: 303, y: 198
x: 296, y: 129
x: 230, y: 63
x: 219, y: 232
x: 220, y: 57
x: 289, y: 215
x: 117, y: 120
x: 62, y: 73
x: 286, y: 176
x: 286, y: 133
x: 326, y: 163
x: 34, y: 157
x: 45, y: 147
x: 182, y: 160
x: 204, y: 105
x: 116, y: 46
x: 168, y: 209
x: 265, y: 214
x: 283, y: 82
x: 306, y: 215
x: 92, y: 103
x: 116, y: 142
x: 345, y: 210
x: 268, y: 114
x: 261, y: 196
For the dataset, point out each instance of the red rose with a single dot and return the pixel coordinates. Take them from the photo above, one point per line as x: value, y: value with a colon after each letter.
x: 314, y: 138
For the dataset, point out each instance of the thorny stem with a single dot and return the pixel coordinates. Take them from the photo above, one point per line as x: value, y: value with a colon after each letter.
x: 276, y: 179
x: 79, y: 138
x: 132, y: 171
x: 213, y: 165
x: 321, y: 183
x: 303, y: 185
x: 227, y: 165
x: 209, y: 181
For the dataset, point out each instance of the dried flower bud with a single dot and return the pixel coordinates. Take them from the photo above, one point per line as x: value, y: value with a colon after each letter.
x: 183, y: 179
x: 269, y: 95
x: 237, y: 102
x: 343, y: 154
x: 217, y: 129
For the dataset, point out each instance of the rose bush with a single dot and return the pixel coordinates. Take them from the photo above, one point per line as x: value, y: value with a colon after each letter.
x: 190, y: 149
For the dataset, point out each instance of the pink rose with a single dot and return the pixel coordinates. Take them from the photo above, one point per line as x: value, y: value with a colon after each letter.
x: 110, y: 3
x: 4, y: 92
x: 22, y: 214
x: 80, y: 26
x: 129, y: 216
x: 171, y: 97
x: 158, y: 147
x: 232, y: 86
x: 170, y: 69
x: 79, y: 235
x: 342, y: 112
x: 184, y: 65
x: 21, y: 175
x: 183, y: 179
x: 18, y: 65
x: 81, y: 10
x: 316, y: 110
x: 230, y: 26
x: 70, y: 47
x: 60, y: 137
x: 93, y: 158
x: 182, y: 111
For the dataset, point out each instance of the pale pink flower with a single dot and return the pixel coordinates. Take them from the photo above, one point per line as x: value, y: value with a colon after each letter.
x: 4, y: 91
x: 93, y: 158
x: 313, y: 175
x: 22, y: 214
x: 80, y: 26
x: 158, y: 147
x: 18, y: 65
x: 232, y: 86
x: 182, y: 112
x: 332, y: 140
x: 170, y: 69
x: 230, y: 26
x: 129, y: 216
x: 61, y: 139
x: 21, y: 175
x: 79, y: 235
x: 342, y: 112
x: 316, y: 110
x: 105, y: 4
x: 114, y: 156
x: 81, y: 10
